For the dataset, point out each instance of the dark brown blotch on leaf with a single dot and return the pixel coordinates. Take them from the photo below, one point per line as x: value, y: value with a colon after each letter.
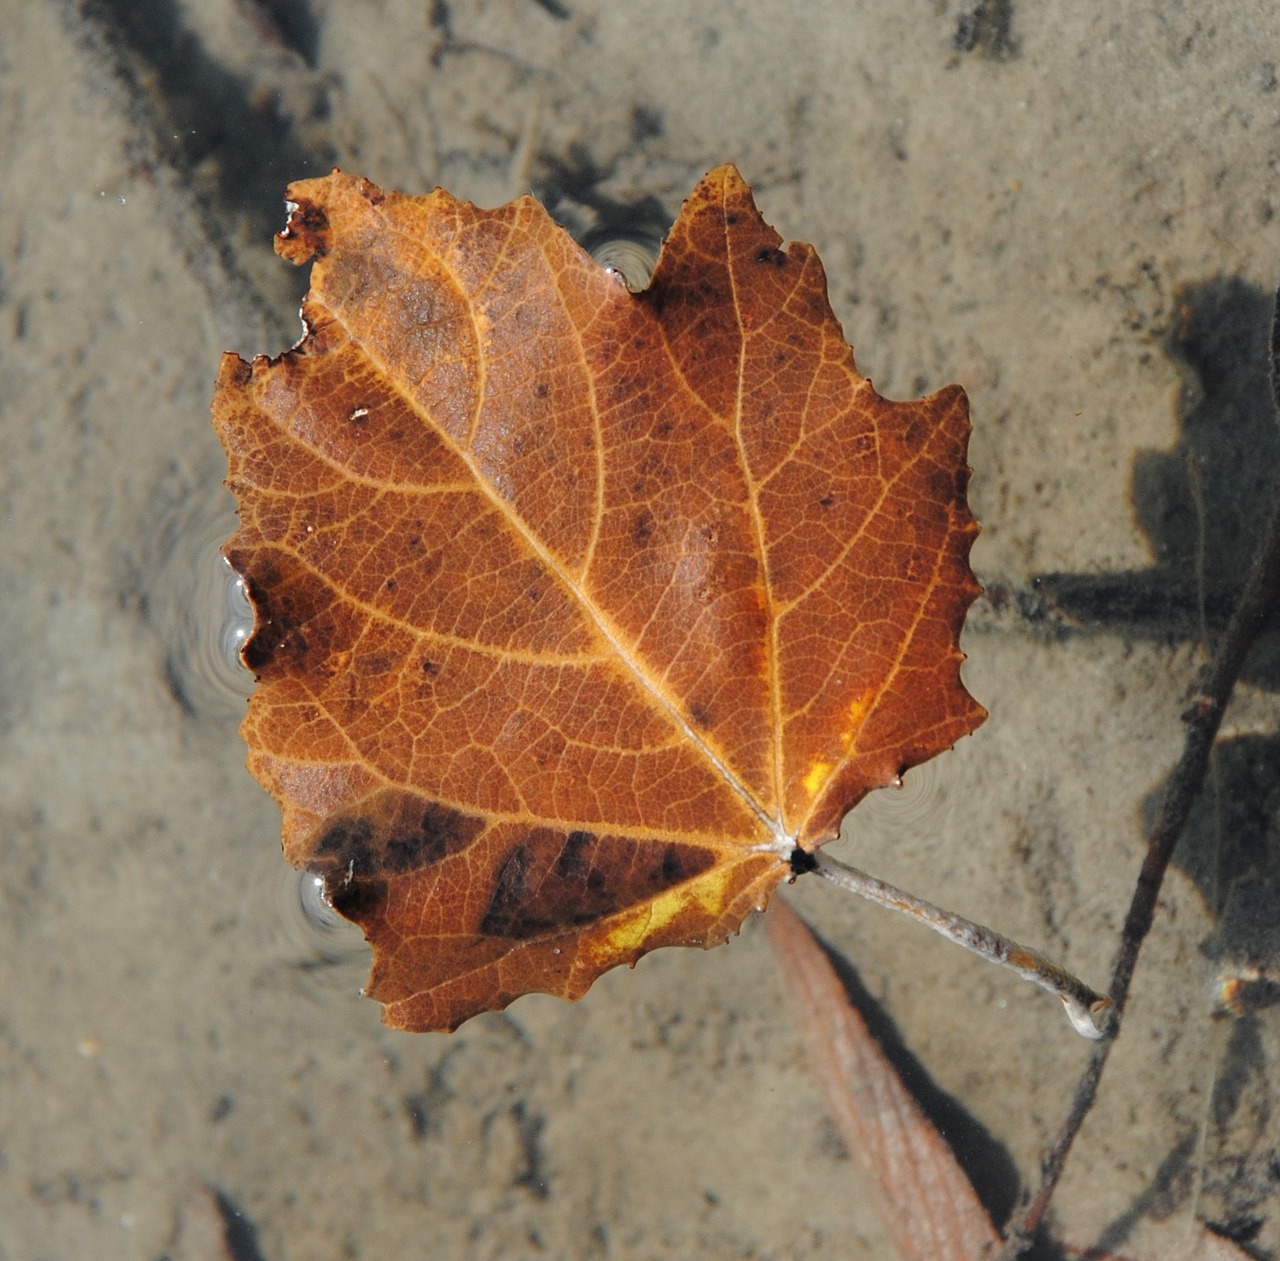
x: 546, y: 884
x: 397, y: 833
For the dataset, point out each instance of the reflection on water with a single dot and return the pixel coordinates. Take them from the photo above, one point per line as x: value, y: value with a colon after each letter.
x: 199, y: 606
x: 311, y: 933
x: 633, y: 258
x: 920, y: 808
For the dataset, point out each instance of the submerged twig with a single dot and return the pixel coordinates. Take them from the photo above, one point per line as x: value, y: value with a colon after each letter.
x: 928, y: 1206
x: 1202, y: 721
x: 1088, y: 1011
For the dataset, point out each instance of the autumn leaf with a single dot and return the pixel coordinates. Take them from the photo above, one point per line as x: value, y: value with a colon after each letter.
x: 582, y: 615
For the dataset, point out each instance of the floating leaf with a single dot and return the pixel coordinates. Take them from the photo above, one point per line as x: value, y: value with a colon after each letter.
x: 582, y: 614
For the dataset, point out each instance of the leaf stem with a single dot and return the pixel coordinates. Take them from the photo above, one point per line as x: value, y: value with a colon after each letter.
x: 1090, y: 1013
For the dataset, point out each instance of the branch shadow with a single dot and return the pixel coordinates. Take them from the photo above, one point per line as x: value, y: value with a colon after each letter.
x: 243, y: 143
x: 1202, y: 504
x: 1230, y: 849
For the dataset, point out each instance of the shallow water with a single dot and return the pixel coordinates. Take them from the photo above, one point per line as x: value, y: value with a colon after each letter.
x: 1072, y: 213
x: 200, y: 609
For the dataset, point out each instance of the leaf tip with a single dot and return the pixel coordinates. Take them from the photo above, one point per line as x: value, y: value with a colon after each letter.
x: 725, y: 176
x: 306, y: 233
x: 232, y: 371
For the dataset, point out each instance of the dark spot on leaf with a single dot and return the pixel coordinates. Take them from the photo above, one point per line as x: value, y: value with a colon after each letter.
x: 773, y: 256
x: 440, y: 831
x: 642, y: 529
x: 310, y: 225
x: 259, y: 574
x: 396, y: 832
x: 678, y: 864
x: 357, y: 899
x: 501, y: 917
x: 262, y: 646
x: 573, y: 863
x: 346, y: 846
x: 671, y: 869
x: 701, y: 715
x: 552, y: 884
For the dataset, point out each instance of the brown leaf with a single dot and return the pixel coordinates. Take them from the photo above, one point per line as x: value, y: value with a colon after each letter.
x: 927, y: 1205
x: 578, y: 610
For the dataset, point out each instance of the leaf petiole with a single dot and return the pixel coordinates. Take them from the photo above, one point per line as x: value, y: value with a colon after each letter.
x: 1091, y: 1014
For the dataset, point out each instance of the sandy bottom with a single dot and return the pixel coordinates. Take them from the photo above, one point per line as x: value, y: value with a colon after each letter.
x: 1068, y: 209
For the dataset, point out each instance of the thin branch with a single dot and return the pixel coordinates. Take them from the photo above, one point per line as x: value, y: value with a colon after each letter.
x: 1202, y: 721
